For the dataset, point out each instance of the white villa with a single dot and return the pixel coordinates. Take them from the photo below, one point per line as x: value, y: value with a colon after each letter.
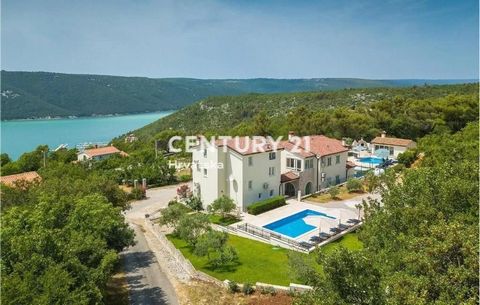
x: 298, y: 166
x: 395, y: 146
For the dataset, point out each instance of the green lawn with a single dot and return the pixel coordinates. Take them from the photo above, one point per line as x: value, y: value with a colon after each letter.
x: 344, y: 194
x: 219, y: 220
x: 258, y: 261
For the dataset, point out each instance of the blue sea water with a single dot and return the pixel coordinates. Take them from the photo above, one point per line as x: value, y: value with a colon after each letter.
x: 294, y: 225
x: 21, y: 136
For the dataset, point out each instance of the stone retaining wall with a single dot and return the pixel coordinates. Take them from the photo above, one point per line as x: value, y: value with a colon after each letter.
x: 291, y: 288
x: 183, y: 269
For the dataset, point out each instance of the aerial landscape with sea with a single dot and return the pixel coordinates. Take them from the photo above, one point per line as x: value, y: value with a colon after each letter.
x: 250, y: 153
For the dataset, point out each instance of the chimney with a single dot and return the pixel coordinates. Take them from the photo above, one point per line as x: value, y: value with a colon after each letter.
x: 383, y: 134
x: 343, y: 142
x: 291, y: 134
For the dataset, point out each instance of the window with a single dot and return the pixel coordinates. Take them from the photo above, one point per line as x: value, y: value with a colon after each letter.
x: 337, y: 179
x: 250, y: 161
x: 205, y: 153
x: 391, y: 151
x: 205, y: 172
x: 294, y: 163
x: 337, y: 159
x: 271, y: 193
x: 329, y: 161
x: 272, y: 156
x: 309, y: 164
x: 250, y: 183
x: 198, y: 167
x: 259, y: 195
x: 271, y: 171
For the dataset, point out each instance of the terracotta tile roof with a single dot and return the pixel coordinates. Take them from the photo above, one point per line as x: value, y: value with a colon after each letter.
x: 350, y: 164
x: 288, y: 176
x: 248, y: 146
x: 299, y: 150
x: 107, y: 150
x: 392, y: 141
x: 316, y: 145
x: 27, y: 176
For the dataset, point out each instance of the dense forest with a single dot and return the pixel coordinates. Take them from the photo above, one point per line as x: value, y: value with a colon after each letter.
x: 42, y: 94
x: 420, y: 243
x: 403, y: 112
x: 61, y: 235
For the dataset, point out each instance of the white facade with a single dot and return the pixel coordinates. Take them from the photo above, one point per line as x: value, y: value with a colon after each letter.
x: 394, y: 150
x: 250, y: 177
x: 315, y: 172
x: 244, y: 178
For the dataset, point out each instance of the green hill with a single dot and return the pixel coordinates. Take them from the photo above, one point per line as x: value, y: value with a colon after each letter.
x: 43, y: 94
x: 235, y: 114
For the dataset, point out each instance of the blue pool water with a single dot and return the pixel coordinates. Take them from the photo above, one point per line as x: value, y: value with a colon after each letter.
x: 294, y: 225
x: 371, y: 160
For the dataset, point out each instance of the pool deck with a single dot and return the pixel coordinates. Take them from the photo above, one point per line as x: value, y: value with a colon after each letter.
x: 341, y: 210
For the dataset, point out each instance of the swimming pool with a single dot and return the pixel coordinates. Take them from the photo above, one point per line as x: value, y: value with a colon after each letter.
x: 371, y: 160
x: 294, y: 225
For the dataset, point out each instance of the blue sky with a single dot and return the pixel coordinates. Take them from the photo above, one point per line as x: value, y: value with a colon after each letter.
x: 379, y: 39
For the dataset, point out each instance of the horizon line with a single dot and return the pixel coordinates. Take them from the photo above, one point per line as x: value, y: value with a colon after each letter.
x: 249, y: 78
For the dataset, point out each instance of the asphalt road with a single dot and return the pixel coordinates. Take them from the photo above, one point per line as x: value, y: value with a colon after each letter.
x: 147, y: 283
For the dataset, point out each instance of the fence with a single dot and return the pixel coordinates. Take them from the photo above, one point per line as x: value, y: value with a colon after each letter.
x: 269, y: 235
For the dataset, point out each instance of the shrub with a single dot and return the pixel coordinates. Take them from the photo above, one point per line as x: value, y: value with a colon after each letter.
x: 222, y: 205
x: 407, y: 157
x: 137, y: 194
x: 248, y: 289
x: 184, y: 178
x: 233, y: 287
x: 268, y: 290
x: 195, y: 203
x: 334, y: 191
x: 183, y: 191
x: 354, y: 185
x: 171, y: 215
x: 266, y: 205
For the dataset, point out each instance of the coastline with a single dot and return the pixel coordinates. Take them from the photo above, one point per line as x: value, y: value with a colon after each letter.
x: 73, y: 117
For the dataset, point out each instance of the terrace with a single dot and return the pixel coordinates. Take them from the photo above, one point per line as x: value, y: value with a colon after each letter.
x: 300, y: 225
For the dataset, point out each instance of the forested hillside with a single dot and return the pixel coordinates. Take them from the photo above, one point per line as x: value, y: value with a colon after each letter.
x: 42, y: 94
x: 420, y: 244
x: 404, y: 112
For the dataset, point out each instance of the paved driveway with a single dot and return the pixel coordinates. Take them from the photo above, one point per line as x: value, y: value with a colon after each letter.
x: 148, y: 284
x: 157, y: 198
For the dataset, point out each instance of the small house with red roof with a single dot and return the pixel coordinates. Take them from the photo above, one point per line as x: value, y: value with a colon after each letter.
x: 14, y: 180
x: 99, y: 153
x: 394, y: 146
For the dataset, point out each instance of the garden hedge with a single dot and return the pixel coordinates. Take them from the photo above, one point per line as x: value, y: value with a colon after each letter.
x: 266, y: 205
